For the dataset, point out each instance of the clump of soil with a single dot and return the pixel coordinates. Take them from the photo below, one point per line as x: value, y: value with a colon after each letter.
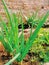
x: 4, y: 57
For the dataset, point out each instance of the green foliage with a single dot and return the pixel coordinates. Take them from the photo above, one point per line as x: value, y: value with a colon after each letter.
x: 34, y: 20
x: 40, y: 47
x: 11, y: 39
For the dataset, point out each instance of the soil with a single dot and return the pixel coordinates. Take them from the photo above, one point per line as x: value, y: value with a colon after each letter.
x: 5, y: 57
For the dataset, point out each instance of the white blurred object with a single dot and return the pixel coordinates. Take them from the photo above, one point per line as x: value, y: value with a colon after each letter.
x: 46, y: 63
x: 0, y: 29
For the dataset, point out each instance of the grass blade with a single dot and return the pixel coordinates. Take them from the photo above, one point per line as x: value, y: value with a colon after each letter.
x: 32, y: 38
x: 16, y: 39
x: 7, y: 34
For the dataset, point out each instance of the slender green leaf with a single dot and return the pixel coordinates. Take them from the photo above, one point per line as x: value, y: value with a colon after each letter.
x: 16, y: 39
x: 32, y: 38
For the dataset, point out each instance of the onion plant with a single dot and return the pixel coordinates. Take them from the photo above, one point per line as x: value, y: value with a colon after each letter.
x: 12, y: 42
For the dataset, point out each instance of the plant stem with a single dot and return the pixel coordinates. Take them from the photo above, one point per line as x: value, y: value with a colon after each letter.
x: 13, y: 59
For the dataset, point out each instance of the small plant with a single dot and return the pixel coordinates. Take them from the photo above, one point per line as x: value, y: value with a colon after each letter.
x: 11, y: 40
x: 41, y: 45
x: 33, y: 20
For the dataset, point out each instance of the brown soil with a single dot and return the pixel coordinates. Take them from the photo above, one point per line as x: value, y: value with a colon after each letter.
x: 4, y: 58
x: 1, y: 47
